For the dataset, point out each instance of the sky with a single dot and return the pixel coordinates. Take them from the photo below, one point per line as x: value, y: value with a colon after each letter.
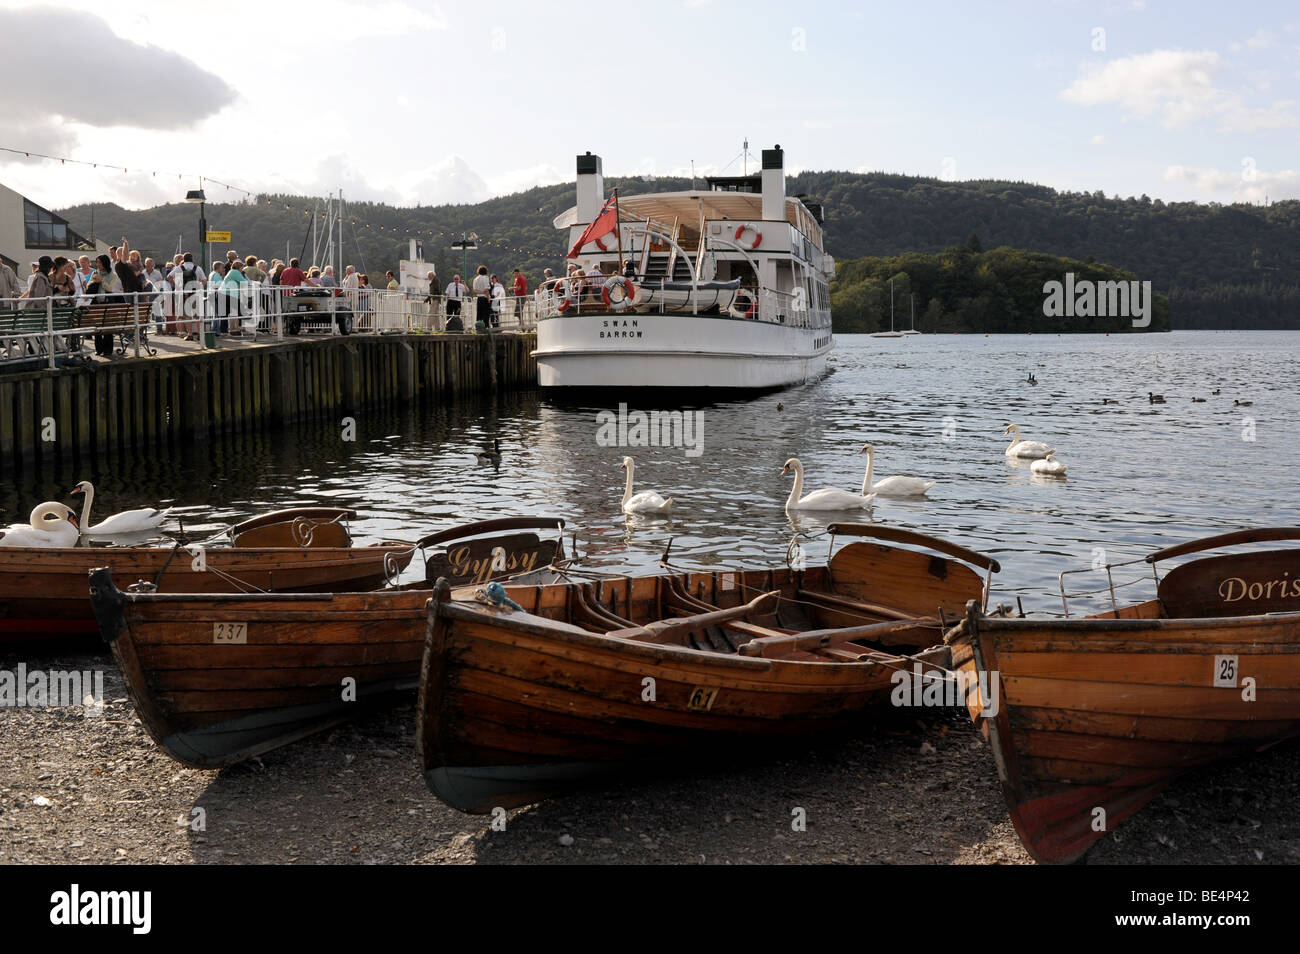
x: 419, y: 103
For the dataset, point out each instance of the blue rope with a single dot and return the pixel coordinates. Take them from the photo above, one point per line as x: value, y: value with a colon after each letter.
x: 497, y: 594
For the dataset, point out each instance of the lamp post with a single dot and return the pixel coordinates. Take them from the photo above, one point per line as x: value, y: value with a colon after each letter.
x: 467, y: 242
x: 196, y: 195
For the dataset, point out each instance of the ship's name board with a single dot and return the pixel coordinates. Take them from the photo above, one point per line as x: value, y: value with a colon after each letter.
x: 619, y: 328
x: 1235, y: 588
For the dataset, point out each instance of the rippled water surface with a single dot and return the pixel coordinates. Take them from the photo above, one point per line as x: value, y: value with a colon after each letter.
x: 1141, y: 475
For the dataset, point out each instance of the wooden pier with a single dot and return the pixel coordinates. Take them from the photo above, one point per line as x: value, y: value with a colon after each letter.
x: 182, y: 394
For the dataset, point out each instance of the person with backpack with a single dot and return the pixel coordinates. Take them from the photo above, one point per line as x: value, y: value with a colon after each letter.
x: 188, y: 278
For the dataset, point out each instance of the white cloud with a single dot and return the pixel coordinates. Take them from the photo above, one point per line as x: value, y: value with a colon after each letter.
x: 521, y: 180
x: 108, y: 82
x: 351, y: 21
x: 1098, y: 140
x: 450, y: 180
x: 1261, y: 40
x: 1247, y: 184
x: 1179, y: 87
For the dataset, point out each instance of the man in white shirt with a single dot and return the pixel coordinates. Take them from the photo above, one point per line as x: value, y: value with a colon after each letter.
x: 351, y: 282
x: 188, y: 278
x: 186, y: 272
x: 456, y: 293
x: 151, y: 272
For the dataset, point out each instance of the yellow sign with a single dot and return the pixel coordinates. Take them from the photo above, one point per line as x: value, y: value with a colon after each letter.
x: 220, y: 237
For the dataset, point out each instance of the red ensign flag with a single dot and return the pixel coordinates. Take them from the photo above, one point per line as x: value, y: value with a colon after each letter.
x: 602, y: 225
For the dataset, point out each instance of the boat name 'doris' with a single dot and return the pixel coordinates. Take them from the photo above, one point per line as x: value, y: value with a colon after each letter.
x: 1234, y: 588
x: 619, y: 328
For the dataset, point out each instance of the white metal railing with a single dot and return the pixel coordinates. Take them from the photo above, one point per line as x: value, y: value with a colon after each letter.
x: 581, y: 295
x: 40, y: 331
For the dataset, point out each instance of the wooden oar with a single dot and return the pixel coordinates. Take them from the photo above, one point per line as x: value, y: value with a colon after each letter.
x: 821, y: 638
x: 837, y: 601
x: 665, y: 631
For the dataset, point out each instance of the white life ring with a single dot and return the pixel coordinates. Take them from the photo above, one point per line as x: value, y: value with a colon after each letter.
x: 566, y: 294
x: 629, y: 292
x: 758, y: 236
x: 737, y: 310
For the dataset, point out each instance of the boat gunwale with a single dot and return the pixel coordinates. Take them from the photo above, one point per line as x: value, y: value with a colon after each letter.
x: 539, y: 626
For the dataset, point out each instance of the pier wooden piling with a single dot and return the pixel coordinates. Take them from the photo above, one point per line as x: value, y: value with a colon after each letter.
x: 140, y: 404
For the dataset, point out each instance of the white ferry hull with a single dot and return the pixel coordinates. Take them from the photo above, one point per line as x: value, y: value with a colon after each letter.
x: 677, y: 351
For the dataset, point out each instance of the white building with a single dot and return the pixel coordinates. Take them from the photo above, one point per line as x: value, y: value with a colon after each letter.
x: 28, y: 231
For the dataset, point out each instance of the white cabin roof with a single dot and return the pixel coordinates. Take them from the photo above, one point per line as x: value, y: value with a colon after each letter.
x: 685, y: 207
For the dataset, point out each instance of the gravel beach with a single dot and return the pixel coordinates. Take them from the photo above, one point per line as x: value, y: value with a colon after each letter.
x: 79, y: 789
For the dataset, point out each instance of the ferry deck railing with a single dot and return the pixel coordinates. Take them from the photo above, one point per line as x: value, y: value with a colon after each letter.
x: 46, y: 331
x: 583, y: 295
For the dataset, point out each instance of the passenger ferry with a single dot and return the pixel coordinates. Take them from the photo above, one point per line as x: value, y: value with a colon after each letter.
x: 725, y: 287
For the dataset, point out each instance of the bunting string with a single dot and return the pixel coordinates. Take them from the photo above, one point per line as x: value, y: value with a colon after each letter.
x: 261, y: 198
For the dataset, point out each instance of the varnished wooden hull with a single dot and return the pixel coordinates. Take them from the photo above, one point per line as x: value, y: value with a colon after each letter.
x: 515, y: 707
x: 43, y: 592
x: 210, y: 704
x: 1096, y: 716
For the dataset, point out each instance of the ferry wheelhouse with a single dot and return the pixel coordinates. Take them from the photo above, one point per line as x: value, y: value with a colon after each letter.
x: 725, y: 287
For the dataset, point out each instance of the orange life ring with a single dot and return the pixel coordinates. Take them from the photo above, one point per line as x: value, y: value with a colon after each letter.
x: 566, y: 294
x: 629, y: 292
x: 736, y: 309
x: 758, y: 236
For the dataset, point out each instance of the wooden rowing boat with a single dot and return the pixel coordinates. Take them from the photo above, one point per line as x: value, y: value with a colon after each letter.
x: 585, y: 679
x: 1094, y: 716
x: 43, y: 591
x: 217, y: 678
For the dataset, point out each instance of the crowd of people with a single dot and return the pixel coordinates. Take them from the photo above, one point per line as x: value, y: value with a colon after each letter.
x: 171, y: 289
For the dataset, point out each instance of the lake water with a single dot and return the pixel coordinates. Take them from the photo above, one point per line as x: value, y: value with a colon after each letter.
x: 1141, y: 475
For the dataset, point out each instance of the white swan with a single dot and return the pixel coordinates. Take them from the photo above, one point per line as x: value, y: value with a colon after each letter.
x: 1019, y: 448
x: 892, y: 486
x: 128, y: 521
x: 647, y: 501
x: 52, y: 525
x: 828, y: 499
x: 1048, y: 466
